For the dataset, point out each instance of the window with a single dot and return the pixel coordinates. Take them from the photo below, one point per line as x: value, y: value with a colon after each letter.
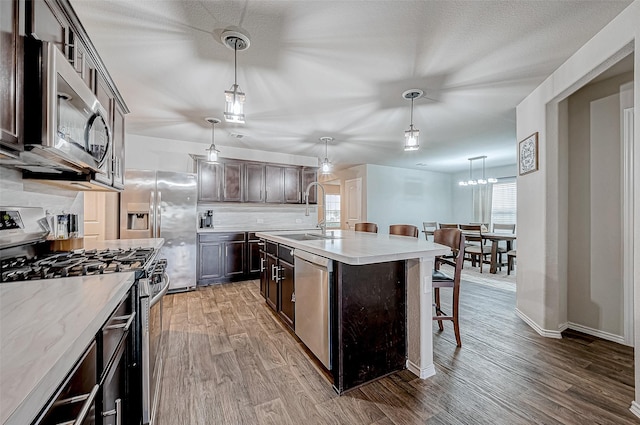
x: 333, y: 211
x: 503, y: 202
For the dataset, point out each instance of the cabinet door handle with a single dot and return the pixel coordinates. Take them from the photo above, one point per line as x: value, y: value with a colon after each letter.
x: 279, y: 273
x: 85, y: 407
x: 293, y: 297
x: 273, y: 272
x: 261, y: 265
x: 117, y: 412
x: 126, y: 325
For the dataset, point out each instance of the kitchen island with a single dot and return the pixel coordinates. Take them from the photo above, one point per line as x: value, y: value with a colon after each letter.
x: 381, y: 307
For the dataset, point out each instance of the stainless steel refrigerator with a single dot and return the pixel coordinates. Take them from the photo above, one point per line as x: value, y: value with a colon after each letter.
x: 162, y: 204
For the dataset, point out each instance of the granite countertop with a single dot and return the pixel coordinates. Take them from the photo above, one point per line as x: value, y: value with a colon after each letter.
x: 356, y: 248
x: 155, y: 243
x: 45, y: 326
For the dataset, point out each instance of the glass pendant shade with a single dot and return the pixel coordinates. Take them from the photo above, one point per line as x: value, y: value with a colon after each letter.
x: 411, y: 139
x: 481, y: 181
x: 212, y: 153
x: 326, y: 166
x: 234, y: 105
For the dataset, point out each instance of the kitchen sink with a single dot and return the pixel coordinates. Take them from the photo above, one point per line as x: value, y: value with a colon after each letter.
x: 308, y: 236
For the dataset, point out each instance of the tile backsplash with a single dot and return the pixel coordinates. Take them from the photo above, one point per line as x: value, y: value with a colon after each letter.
x: 261, y: 217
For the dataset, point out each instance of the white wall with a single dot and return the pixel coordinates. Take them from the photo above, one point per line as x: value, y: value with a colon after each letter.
x: 403, y: 196
x: 594, y: 269
x: 462, y: 199
x: 542, y: 206
x: 151, y: 153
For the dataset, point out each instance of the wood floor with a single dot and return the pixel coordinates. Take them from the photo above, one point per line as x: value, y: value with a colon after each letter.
x: 230, y: 361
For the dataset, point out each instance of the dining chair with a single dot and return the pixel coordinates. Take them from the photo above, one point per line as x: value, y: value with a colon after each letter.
x: 475, y: 249
x: 403, y: 230
x: 455, y: 239
x: 503, y: 228
x: 448, y: 226
x: 511, y: 256
x: 366, y: 227
x: 429, y: 227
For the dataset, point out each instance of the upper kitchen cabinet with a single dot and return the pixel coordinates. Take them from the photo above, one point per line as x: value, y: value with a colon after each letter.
x: 254, y: 182
x: 274, y: 184
x: 46, y: 21
x: 292, y: 193
x: 232, y: 181
x: 310, y: 175
x: 209, y: 181
x: 11, y: 77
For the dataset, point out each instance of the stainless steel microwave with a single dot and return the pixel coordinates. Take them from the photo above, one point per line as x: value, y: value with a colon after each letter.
x: 66, y: 127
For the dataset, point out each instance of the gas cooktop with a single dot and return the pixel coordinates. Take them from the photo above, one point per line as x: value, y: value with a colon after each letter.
x: 75, y: 263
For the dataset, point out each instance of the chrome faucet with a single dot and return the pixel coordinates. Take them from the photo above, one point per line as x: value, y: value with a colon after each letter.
x: 322, y: 224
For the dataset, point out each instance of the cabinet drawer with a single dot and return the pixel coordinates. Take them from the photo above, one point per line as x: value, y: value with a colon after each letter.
x: 271, y: 248
x: 251, y: 236
x: 217, y: 237
x: 77, y: 392
x: 285, y: 253
x: 115, y: 330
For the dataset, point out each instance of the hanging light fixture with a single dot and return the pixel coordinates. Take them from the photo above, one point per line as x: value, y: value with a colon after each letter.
x: 412, y: 136
x: 234, y: 97
x: 325, y: 167
x: 473, y: 182
x: 212, y: 152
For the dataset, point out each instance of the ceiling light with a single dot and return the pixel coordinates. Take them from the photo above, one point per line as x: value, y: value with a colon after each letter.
x: 325, y: 167
x: 212, y: 152
x: 234, y: 97
x: 412, y: 136
x: 473, y: 182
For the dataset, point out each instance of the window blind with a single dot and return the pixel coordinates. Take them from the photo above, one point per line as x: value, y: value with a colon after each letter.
x: 503, y: 202
x: 333, y: 210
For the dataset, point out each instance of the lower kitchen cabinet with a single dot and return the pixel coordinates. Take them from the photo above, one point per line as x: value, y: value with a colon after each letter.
x: 287, y: 288
x: 272, y: 282
x: 254, y: 260
x: 277, y: 280
x: 221, y: 257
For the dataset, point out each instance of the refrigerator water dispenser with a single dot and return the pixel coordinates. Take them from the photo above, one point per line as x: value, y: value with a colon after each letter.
x: 138, y: 221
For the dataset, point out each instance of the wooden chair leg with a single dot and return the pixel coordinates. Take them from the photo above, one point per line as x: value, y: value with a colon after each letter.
x: 456, y: 323
x: 509, y: 264
x: 436, y: 293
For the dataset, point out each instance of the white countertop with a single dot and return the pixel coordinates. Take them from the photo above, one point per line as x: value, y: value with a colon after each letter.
x: 45, y: 326
x: 361, y: 247
x: 155, y: 243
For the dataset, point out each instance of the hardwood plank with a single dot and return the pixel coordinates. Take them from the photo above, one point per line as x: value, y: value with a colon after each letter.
x: 230, y: 360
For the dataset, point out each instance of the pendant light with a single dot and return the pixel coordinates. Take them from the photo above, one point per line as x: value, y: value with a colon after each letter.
x: 325, y: 167
x: 473, y: 182
x: 412, y: 136
x: 234, y: 97
x: 212, y: 152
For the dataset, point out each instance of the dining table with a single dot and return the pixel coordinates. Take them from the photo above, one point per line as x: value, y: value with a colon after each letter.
x: 495, y: 238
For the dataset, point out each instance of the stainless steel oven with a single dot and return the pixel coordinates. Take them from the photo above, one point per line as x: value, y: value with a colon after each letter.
x: 68, y: 130
x: 152, y: 290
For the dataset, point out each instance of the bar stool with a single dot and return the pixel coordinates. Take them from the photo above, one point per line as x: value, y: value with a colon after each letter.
x: 366, y: 227
x: 403, y: 230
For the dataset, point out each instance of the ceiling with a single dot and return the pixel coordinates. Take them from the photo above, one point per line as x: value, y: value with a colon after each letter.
x: 339, y: 68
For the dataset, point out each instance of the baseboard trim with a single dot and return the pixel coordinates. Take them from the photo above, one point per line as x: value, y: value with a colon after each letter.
x: 543, y: 332
x: 596, y: 332
x: 635, y: 408
x: 423, y: 373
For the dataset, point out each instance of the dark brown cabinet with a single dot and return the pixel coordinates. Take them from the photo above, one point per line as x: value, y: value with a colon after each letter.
x: 45, y: 22
x: 272, y: 282
x: 209, y: 181
x: 274, y: 184
x: 292, y: 194
x: 221, y: 257
x: 277, y: 280
x: 310, y: 175
x: 264, y: 271
x: 287, y: 288
x: 254, y: 182
x: 11, y: 74
x: 254, y: 261
x: 232, y: 182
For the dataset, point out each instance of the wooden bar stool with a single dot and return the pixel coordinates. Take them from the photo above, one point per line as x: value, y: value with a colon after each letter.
x: 403, y: 230
x: 366, y: 227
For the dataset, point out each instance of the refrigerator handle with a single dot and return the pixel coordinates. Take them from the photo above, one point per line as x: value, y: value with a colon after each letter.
x: 158, y: 215
x: 152, y: 213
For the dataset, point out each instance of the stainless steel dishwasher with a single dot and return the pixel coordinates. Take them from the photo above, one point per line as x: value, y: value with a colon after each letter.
x: 312, y: 300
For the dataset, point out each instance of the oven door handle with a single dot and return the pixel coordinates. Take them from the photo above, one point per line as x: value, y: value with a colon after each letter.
x: 163, y: 291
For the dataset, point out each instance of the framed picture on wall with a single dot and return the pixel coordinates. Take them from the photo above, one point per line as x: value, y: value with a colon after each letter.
x: 528, y: 154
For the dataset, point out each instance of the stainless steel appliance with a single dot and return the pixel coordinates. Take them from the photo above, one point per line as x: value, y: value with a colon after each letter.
x: 312, y: 301
x: 152, y: 292
x: 162, y: 204
x: 70, y: 131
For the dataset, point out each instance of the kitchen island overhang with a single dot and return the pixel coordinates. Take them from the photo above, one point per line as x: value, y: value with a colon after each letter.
x: 377, y: 263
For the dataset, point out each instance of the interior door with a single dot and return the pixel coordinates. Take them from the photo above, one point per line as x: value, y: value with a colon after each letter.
x: 353, y: 204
